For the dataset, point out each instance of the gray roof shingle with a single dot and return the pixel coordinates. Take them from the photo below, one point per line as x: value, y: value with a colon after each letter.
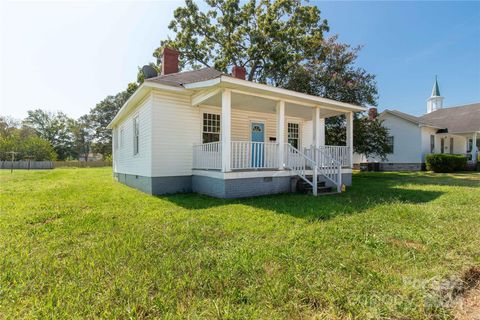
x: 409, y: 117
x: 180, y: 78
x: 459, y: 119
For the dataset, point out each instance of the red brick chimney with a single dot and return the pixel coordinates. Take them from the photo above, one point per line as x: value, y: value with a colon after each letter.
x: 239, y: 72
x: 169, y: 61
x: 372, y: 113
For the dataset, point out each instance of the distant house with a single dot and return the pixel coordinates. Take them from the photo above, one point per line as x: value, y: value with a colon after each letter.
x: 221, y: 135
x: 91, y: 157
x: 454, y: 130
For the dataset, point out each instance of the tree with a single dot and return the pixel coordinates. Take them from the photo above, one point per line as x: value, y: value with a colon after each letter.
x: 334, y: 75
x: 8, y: 125
x: 84, y: 135
x: 55, y: 128
x: 371, y: 138
x: 102, y: 115
x: 267, y: 38
x: 26, y: 145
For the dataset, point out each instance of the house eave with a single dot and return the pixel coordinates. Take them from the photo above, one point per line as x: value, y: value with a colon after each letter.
x: 418, y: 123
x: 274, y: 93
x: 139, y: 94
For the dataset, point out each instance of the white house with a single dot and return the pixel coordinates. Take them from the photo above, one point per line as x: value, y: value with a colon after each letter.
x: 207, y: 132
x: 454, y: 130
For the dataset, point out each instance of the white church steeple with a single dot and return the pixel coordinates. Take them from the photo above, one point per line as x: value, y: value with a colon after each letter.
x: 435, y: 101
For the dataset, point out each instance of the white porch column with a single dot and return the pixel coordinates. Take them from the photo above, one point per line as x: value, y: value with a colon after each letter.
x: 226, y: 121
x: 280, y: 108
x: 349, y: 117
x: 316, y: 126
x: 474, y: 148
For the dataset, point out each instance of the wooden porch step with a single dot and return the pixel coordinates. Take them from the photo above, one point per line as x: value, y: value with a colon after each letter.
x: 304, y: 187
x: 303, y: 183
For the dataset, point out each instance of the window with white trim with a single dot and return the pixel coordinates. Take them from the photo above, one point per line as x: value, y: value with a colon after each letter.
x: 136, y: 137
x: 115, y: 139
x: 451, y: 145
x: 122, y: 134
x: 390, y: 142
x: 469, y: 145
x: 432, y: 143
x: 293, y: 134
x: 211, y: 128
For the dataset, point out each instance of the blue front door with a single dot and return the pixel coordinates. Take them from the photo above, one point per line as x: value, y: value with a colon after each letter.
x: 258, y: 135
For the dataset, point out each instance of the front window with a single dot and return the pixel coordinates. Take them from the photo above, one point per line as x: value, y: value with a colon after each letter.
x: 136, y: 138
x: 293, y: 134
x: 211, y: 128
x: 442, y: 145
x: 390, y: 141
x: 451, y: 145
x: 432, y: 143
x: 122, y: 134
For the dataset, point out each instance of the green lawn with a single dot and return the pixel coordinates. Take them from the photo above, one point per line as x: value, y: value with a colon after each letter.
x: 76, y: 244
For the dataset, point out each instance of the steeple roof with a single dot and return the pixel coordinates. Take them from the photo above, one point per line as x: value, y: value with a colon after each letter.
x: 436, y: 89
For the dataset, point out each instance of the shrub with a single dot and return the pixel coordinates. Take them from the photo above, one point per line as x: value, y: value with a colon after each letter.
x: 445, y: 162
x: 31, y: 147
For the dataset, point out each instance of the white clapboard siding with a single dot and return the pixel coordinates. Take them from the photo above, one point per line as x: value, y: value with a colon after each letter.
x: 241, y: 122
x: 124, y: 161
x: 176, y: 128
x: 170, y: 127
x: 307, y: 133
x: 407, y: 144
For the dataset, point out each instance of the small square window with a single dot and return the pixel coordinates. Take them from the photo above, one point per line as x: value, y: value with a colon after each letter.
x: 211, y: 128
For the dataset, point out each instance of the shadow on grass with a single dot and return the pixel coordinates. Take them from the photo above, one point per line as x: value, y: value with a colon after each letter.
x: 368, y: 190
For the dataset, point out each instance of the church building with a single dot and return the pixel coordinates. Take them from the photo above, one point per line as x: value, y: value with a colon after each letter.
x: 453, y: 129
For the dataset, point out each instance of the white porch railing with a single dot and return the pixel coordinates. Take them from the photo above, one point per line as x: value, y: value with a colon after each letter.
x: 250, y: 155
x: 254, y: 155
x: 338, y: 153
x: 207, y: 156
x: 244, y: 155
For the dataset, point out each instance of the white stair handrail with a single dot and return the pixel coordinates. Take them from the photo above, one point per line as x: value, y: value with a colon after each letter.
x: 329, y: 167
x: 299, y: 163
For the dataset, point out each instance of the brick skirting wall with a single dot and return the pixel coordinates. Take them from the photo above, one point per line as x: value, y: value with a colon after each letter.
x: 241, y: 188
x: 156, y: 185
x: 215, y: 187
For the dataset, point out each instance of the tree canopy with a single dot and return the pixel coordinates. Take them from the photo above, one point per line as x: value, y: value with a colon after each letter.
x: 24, y: 141
x: 268, y: 38
x: 55, y: 128
x: 281, y: 43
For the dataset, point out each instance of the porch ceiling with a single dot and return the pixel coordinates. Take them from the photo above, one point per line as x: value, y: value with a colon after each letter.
x: 259, y: 104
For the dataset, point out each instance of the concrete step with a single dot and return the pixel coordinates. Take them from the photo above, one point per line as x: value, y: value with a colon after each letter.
x: 304, y: 183
x: 307, y: 189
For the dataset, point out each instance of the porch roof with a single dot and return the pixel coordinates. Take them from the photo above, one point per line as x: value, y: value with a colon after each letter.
x: 203, y: 81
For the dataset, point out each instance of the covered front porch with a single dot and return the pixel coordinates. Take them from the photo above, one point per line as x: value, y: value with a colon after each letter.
x: 466, y: 144
x: 269, y: 134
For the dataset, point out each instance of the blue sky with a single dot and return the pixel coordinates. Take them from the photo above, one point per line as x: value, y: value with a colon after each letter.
x: 68, y: 55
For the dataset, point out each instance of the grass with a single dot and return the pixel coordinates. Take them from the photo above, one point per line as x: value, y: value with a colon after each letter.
x: 76, y: 244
